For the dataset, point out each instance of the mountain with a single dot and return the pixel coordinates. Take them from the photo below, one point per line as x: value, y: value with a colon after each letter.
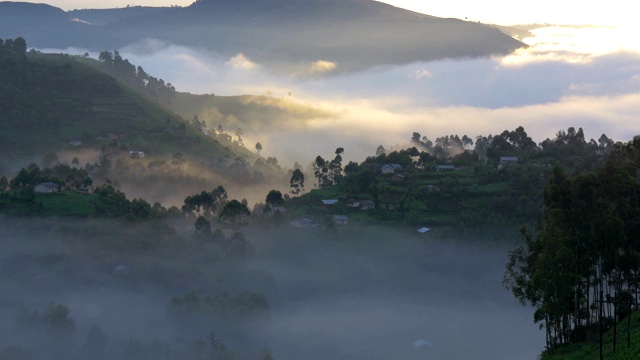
x: 349, y: 35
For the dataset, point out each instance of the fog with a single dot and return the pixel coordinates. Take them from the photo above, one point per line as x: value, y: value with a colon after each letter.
x: 361, y: 292
x: 364, y: 292
x: 585, y: 77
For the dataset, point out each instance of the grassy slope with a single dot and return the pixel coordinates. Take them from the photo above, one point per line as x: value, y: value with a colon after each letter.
x: 91, y: 114
x: 591, y: 350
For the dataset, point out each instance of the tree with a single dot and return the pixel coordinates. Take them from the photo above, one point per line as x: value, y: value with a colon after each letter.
x: 95, y: 343
x: 297, y: 181
x: 258, y: 148
x: 197, y: 123
x: 274, y: 198
x: 380, y: 150
x: 234, y: 213
x: 239, y: 135
x: 203, y: 226
x: 238, y: 246
x: 335, y: 167
x: 106, y: 57
x: 320, y: 170
x: 4, y: 183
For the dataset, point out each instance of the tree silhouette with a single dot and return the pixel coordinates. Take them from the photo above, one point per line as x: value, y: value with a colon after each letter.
x: 297, y: 182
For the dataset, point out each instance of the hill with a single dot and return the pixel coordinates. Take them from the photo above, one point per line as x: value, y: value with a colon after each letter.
x: 58, y: 108
x: 53, y: 102
x: 353, y: 35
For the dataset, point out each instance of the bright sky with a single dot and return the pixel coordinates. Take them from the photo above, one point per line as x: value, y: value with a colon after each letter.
x: 503, y: 12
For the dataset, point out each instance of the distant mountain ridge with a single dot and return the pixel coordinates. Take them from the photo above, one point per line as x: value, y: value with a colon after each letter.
x: 281, y: 34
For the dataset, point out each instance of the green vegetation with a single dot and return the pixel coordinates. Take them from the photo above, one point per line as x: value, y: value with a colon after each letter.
x: 48, y: 101
x: 584, y: 250
x: 590, y: 350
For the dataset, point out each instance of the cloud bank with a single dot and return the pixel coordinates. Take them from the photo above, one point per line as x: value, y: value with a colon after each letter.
x: 582, y: 77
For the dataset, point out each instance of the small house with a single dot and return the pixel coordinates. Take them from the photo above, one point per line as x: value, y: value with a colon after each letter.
x: 390, y: 168
x: 353, y: 203
x: 301, y: 223
x: 85, y: 190
x: 340, y: 219
x: 367, y: 205
x: 387, y: 169
x: 75, y: 143
x: 398, y: 178
x: 136, y: 154
x: 47, y: 188
x: 423, y: 230
x: 327, y: 204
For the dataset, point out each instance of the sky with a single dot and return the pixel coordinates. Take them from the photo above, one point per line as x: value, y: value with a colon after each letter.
x: 503, y: 12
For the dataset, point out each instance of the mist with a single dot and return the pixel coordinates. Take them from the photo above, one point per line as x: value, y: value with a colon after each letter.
x: 361, y: 292
x: 561, y: 80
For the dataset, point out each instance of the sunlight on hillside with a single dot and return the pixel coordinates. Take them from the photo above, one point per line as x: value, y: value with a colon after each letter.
x: 575, y: 44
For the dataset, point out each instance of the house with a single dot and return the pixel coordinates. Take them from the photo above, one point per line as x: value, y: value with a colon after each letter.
x: 136, y: 154
x: 85, y: 189
x: 508, y: 160
x: 391, y: 168
x: 445, y: 167
x: 75, y: 142
x: 329, y: 202
x: 340, y: 219
x: 387, y: 169
x: 367, y: 205
x: 423, y: 230
x: 353, y: 203
x: 398, y: 177
x: 301, y: 223
x: 47, y: 188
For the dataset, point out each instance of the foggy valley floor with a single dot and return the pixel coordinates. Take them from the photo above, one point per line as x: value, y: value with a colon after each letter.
x: 362, y: 292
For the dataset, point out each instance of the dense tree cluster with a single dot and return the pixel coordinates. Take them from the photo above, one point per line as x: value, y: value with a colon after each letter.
x: 206, y: 204
x: 587, y: 244
x: 61, y: 174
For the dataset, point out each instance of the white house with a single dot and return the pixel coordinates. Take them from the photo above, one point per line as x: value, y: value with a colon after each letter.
x: 47, y: 188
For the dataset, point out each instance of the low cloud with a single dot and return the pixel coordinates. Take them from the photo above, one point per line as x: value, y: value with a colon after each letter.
x: 241, y: 62
x: 322, y: 66
x: 560, y: 80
